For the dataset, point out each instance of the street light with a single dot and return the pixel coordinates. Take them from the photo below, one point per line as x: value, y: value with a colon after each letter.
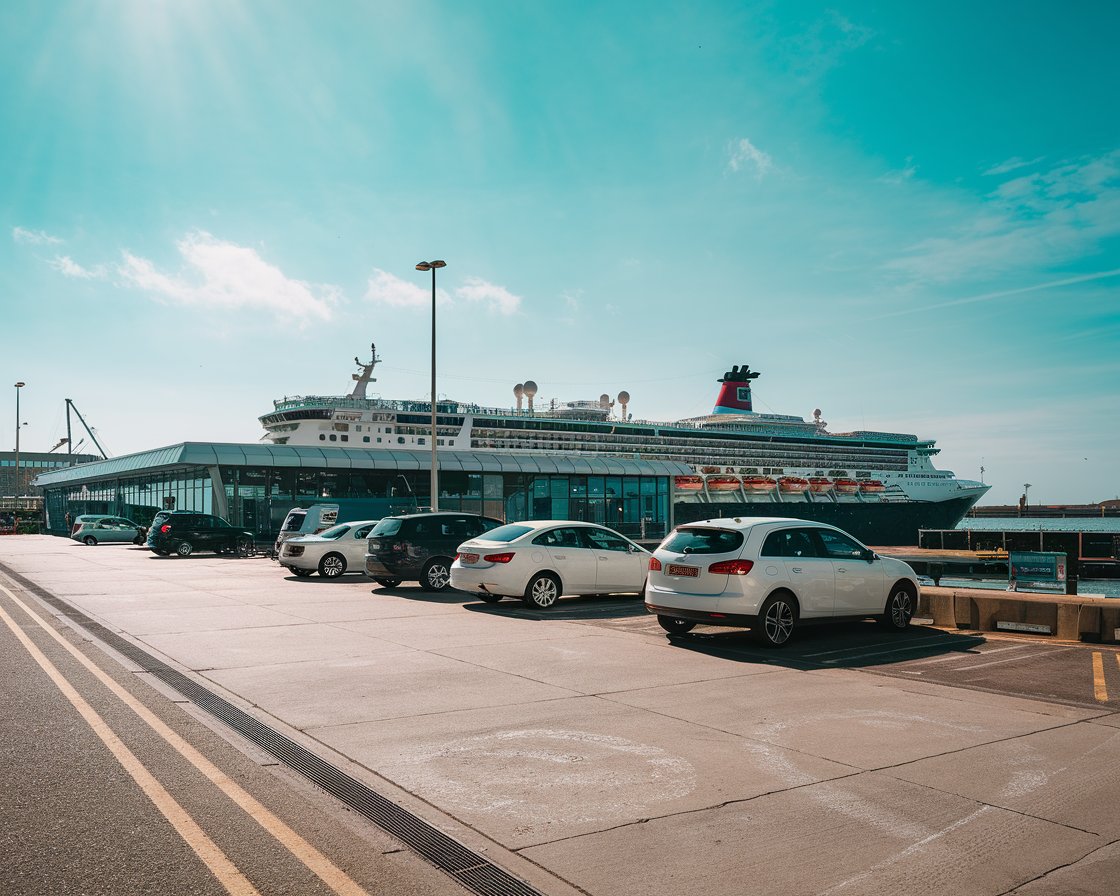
x: 432, y: 266
x: 18, y: 387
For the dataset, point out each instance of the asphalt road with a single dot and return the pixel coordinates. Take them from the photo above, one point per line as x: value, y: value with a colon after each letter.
x: 75, y: 816
x: 581, y: 750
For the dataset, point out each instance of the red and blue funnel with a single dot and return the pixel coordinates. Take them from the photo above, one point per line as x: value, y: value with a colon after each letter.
x: 735, y: 396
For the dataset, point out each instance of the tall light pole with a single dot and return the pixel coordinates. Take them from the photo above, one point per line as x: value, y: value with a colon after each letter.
x: 18, y: 387
x: 432, y: 266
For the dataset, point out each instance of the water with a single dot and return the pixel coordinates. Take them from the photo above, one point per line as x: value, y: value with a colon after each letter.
x: 1085, y: 587
x: 1049, y: 524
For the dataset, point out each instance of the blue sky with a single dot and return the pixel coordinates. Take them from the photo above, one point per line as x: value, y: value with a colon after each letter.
x: 910, y: 221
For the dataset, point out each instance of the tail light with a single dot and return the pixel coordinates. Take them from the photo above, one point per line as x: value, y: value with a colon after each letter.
x: 654, y: 564
x: 732, y: 567
x: 165, y: 528
x: 499, y: 558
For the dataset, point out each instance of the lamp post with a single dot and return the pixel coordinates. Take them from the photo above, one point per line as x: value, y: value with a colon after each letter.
x: 18, y: 387
x: 432, y: 266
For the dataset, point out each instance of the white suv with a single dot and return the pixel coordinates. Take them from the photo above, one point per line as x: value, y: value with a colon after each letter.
x: 771, y: 575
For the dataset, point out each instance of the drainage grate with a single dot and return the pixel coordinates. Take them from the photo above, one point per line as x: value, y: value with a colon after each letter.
x: 472, y: 870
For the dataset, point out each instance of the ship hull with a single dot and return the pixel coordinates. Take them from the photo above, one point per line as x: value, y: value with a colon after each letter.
x: 880, y: 523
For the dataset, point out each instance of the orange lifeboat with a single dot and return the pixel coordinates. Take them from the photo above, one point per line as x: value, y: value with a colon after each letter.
x: 724, y: 483
x: 707, y: 470
x: 794, y: 485
x: 871, y: 485
x: 759, y: 484
x: 688, y: 483
x: 846, y: 486
x: 819, y: 485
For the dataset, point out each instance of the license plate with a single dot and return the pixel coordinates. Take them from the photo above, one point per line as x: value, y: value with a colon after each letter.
x: 689, y: 572
x: 468, y: 558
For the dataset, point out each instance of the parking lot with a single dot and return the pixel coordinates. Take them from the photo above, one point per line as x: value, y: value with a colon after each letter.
x: 580, y: 749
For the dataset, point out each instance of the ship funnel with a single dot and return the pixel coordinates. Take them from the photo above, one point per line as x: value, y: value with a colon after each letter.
x: 624, y: 400
x: 519, y: 393
x: 530, y: 389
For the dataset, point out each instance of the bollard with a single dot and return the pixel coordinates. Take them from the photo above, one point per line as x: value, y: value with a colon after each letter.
x: 1071, y: 584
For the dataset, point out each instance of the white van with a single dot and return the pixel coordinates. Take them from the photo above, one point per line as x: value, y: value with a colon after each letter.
x: 306, y: 521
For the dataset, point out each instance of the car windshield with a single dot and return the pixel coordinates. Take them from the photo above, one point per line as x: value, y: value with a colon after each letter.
x: 505, y: 533
x: 703, y: 541
x: 335, y: 531
x: 386, y: 527
x: 294, y: 521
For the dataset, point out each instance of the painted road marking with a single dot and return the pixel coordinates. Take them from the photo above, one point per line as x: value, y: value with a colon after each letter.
x: 1099, y: 689
x: 1014, y: 659
x: 333, y: 876
x: 228, y: 875
x: 967, y: 654
x: 923, y: 645
x: 933, y: 639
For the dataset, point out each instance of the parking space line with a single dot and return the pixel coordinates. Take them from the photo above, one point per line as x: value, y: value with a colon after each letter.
x: 963, y: 654
x: 228, y: 875
x: 1100, y: 691
x: 333, y: 876
x: 1015, y: 659
x: 858, y: 656
x: 930, y: 640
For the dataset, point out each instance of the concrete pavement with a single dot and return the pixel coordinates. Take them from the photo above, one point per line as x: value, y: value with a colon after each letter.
x: 612, y: 761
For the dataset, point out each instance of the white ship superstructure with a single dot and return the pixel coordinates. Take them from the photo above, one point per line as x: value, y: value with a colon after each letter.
x: 738, y: 455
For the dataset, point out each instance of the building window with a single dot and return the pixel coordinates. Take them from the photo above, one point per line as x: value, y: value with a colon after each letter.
x: 334, y: 438
x: 346, y: 438
x: 366, y: 439
x: 322, y: 438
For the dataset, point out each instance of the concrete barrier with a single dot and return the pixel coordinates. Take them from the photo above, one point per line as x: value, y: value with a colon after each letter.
x: 1065, y: 617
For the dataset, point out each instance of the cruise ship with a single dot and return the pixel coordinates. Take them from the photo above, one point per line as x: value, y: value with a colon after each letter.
x: 881, y: 486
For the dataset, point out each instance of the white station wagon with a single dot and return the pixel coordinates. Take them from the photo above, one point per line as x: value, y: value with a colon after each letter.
x: 539, y: 560
x: 773, y: 575
x: 331, y: 552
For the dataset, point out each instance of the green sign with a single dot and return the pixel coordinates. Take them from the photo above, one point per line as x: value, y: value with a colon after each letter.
x: 1036, y: 566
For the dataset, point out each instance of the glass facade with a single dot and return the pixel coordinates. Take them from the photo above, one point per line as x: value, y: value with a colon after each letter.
x: 258, y: 497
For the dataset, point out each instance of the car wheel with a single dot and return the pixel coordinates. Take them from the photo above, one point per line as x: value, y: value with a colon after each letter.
x: 388, y: 583
x: 243, y: 546
x: 332, y: 566
x: 900, y: 607
x: 776, y: 620
x: 436, y: 575
x: 90, y: 540
x: 542, y: 591
x: 301, y: 573
x: 139, y: 539
x: 488, y: 597
x: 675, y: 626
x: 184, y: 549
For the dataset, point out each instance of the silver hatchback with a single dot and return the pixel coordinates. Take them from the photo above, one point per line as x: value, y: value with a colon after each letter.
x: 772, y: 575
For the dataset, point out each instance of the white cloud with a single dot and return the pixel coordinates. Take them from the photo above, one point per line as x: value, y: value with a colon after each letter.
x: 224, y: 275
x: 1011, y: 164
x: 388, y: 289
x: 743, y: 153
x: 1026, y: 223
x: 34, y: 237
x: 901, y: 176
x: 65, y: 265
x: 497, y: 298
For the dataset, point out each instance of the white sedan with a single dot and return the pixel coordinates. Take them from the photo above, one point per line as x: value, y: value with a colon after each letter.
x: 331, y: 552
x: 539, y: 560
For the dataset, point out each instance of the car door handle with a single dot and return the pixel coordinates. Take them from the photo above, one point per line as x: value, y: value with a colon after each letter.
x: 842, y: 571
x: 796, y: 569
x: 560, y: 556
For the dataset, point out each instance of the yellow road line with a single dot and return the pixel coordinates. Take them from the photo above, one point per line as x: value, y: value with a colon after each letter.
x: 333, y: 876
x: 220, y: 866
x: 1100, y: 691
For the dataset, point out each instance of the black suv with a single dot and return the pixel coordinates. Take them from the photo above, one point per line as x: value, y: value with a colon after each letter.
x: 419, y: 547
x: 183, y: 532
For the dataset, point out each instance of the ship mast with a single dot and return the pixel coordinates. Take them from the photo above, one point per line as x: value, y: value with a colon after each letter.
x: 364, y: 378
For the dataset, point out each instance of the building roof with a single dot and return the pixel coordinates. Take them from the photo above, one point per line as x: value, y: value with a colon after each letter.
x: 206, y: 454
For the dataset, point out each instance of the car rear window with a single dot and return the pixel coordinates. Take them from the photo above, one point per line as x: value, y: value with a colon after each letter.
x: 336, y: 531
x: 507, y: 533
x: 294, y: 521
x: 703, y: 541
x: 386, y: 527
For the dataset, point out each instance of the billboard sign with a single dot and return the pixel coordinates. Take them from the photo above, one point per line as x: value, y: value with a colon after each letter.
x: 1037, y: 566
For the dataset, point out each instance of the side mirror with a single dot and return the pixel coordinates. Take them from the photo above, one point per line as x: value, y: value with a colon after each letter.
x: 869, y: 555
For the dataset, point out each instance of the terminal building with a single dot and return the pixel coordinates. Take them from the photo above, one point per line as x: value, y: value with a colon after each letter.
x: 254, y: 486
